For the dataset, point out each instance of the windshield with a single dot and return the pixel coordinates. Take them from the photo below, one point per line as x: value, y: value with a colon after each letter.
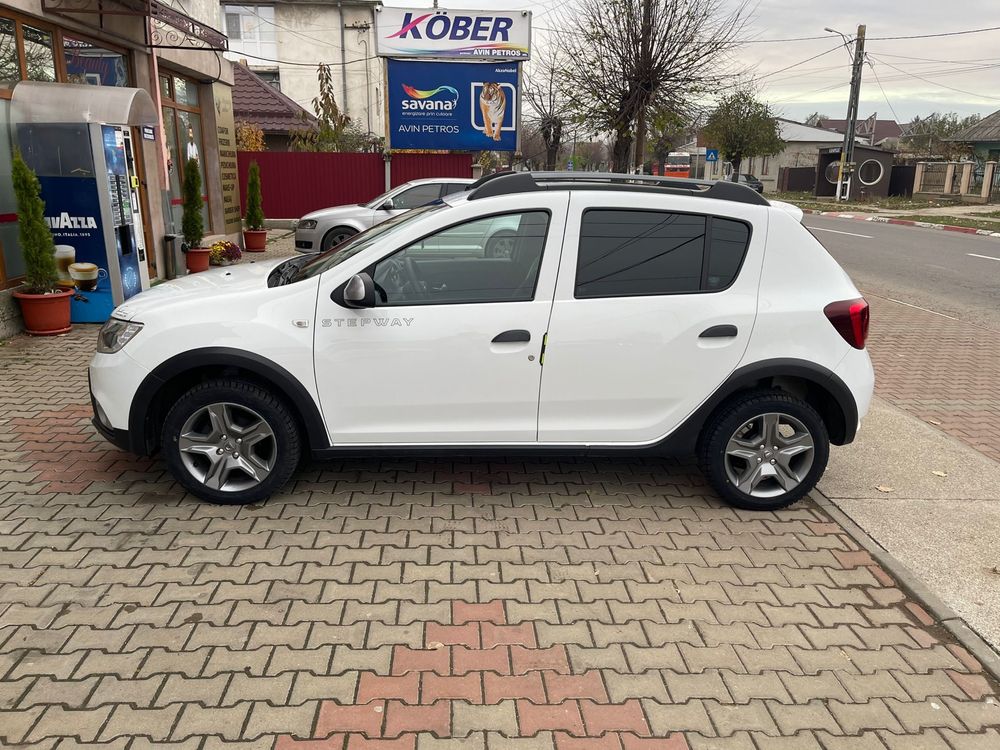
x: 378, y: 201
x: 361, y: 242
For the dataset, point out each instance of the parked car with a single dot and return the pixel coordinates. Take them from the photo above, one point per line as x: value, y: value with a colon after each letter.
x: 751, y: 182
x: 634, y: 314
x: 321, y: 230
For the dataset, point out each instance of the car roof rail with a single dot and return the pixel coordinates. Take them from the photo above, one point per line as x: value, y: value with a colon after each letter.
x: 510, y: 183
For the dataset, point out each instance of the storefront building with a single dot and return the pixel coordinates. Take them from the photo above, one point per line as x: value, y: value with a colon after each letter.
x: 175, y: 57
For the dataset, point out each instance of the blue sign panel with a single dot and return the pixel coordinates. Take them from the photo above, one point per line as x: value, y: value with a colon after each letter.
x: 711, y: 154
x: 453, y: 106
x: 73, y: 210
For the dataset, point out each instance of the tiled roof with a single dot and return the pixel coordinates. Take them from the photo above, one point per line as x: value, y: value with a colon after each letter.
x: 256, y: 101
x: 987, y: 129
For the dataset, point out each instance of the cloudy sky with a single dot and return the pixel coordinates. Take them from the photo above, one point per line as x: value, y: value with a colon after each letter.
x: 969, y: 63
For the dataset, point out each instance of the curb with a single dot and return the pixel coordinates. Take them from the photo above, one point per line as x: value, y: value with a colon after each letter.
x: 943, y: 614
x: 905, y: 223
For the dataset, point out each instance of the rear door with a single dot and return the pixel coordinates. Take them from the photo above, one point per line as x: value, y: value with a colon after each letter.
x: 653, y: 309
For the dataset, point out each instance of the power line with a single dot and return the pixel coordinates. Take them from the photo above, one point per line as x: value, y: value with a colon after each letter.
x: 314, y: 64
x: 871, y: 65
x: 932, y: 36
x: 936, y: 83
x: 801, y: 62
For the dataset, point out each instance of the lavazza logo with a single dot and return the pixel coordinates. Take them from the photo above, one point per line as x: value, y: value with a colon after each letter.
x: 65, y: 221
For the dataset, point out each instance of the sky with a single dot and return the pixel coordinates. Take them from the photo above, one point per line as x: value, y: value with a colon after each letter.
x: 969, y: 62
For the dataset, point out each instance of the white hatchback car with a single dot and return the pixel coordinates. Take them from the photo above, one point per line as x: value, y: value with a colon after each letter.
x: 321, y: 230
x: 634, y: 314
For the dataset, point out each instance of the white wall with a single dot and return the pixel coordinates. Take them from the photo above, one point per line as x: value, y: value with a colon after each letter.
x: 313, y: 33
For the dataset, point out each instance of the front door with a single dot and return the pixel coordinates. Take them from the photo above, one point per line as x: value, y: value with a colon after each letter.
x: 653, y: 310
x: 450, y: 352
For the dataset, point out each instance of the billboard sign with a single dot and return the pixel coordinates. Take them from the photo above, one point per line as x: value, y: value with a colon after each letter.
x: 453, y: 106
x: 461, y: 34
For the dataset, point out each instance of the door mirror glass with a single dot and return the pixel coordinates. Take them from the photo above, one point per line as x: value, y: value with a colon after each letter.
x: 387, y: 206
x: 359, y: 291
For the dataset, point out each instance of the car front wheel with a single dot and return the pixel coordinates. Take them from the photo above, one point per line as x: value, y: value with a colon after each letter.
x: 231, y: 442
x: 764, y: 450
x: 335, y: 236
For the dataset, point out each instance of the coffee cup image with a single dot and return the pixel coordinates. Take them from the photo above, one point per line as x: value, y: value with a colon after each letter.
x: 86, y: 276
x: 65, y: 256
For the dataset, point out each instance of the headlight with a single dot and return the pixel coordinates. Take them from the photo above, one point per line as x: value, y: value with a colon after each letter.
x: 306, y: 224
x: 115, y: 334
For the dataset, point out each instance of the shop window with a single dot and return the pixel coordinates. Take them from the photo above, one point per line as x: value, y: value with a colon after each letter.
x: 89, y: 63
x: 10, y: 67
x: 183, y: 135
x: 185, y: 91
x: 39, y: 56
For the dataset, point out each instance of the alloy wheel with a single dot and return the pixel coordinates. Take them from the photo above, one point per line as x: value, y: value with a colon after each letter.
x: 769, y: 455
x: 227, y: 447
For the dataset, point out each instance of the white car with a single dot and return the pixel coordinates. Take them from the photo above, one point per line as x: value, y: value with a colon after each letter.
x: 321, y: 230
x: 635, y: 314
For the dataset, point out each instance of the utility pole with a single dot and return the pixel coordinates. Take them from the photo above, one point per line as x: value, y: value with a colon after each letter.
x: 847, y: 152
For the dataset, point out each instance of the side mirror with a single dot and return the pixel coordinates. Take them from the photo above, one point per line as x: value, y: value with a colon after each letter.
x: 358, y: 292
x: 387, y: 206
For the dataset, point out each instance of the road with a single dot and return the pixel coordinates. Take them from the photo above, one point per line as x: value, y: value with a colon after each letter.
x: 948, y: 272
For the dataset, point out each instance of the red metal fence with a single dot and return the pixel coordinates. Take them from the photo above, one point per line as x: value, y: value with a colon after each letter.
x: 293, y: 183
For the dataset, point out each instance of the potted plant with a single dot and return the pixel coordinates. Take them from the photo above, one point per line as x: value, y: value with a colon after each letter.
x: 254, y: 236
x: 44, y: 306
x: 224, y: 253
x: 192, y: 224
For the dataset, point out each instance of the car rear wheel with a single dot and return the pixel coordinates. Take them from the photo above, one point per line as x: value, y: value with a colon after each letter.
x: 231, y: 442
x: 501, y: 244
x: 335, y: 236
x: 764, y: 450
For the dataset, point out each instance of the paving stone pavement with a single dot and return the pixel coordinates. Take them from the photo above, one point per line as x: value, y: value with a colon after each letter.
x: 403, y: 604
x: 942, y: 370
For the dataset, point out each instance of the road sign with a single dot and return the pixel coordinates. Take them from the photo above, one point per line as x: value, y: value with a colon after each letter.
x: 711, y: 154
x: 569, y: 165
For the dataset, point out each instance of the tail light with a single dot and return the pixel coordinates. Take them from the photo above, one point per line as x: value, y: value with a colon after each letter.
x: 850, y: 318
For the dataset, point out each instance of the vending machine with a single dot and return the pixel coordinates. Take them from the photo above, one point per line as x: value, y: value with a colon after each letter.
x: 87, y: 175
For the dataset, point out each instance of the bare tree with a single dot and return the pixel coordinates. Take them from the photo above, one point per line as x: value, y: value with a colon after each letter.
x: 544, y: 92
x: 631, y: 55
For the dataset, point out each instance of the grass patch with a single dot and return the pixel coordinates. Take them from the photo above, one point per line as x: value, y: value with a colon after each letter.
x: 956, y: 221
x: 875, y: 205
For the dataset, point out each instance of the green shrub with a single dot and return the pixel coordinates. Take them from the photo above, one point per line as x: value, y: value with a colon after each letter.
x: 192, y: 223
x: 255, y: 209
x: 36, y: 238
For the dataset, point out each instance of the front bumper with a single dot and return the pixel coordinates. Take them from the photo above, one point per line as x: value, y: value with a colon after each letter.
x: 118, y: 438
x: 307, y: 240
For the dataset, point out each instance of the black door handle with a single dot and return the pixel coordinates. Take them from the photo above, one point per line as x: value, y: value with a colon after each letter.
x: 719, y: 332
x: 511, y: 337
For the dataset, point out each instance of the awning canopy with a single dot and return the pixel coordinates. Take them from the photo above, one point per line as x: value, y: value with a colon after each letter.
x: 36, y: 101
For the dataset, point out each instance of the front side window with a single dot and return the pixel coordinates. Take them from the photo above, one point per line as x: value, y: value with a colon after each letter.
x: 417, y: 196
x: 457, y: 264
x: 625, y: 253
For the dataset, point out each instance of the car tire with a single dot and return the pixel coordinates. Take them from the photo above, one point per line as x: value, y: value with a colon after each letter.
x: 764, y: 450
x: 501, y: 244
x: 335, y: 236
x: 203, y: 437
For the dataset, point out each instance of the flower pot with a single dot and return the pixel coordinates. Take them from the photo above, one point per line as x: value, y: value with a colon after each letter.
x: 255, y: 240
x: 45, y: 314
x: 197, y: 259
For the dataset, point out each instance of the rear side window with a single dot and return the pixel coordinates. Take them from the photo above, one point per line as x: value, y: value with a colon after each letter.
x: 626, y: 253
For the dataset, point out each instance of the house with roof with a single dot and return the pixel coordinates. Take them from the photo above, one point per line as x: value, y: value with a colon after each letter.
x: 984, y: 137
x: 258, y: 102
x: 882, y: 133
x: 802, y: 145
